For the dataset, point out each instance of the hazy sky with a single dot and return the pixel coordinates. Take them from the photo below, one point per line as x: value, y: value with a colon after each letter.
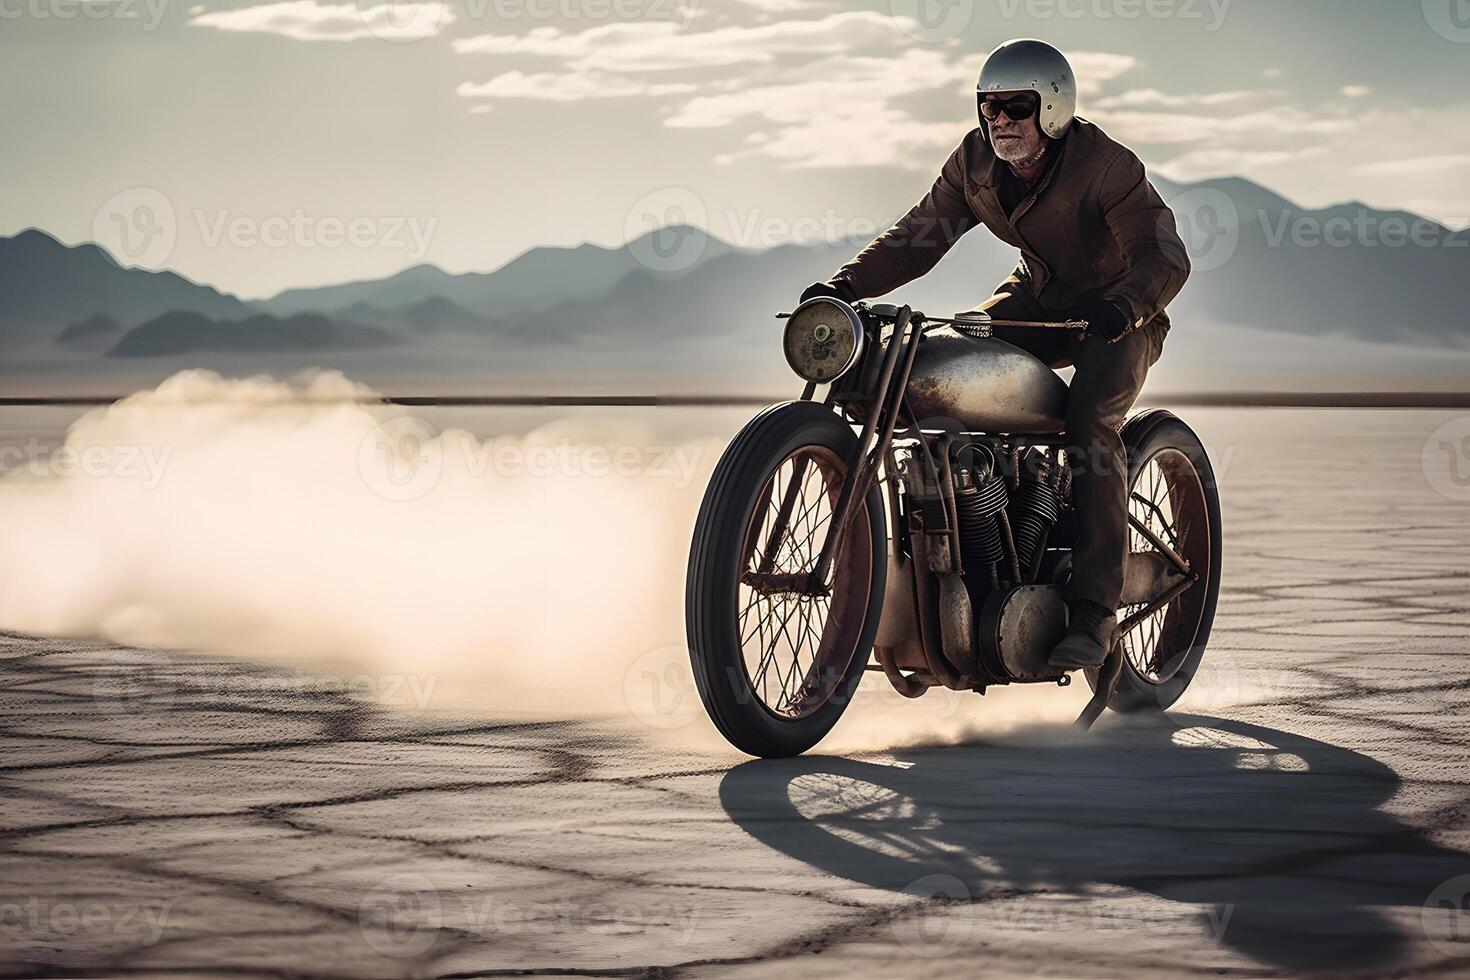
x: 261, y: 146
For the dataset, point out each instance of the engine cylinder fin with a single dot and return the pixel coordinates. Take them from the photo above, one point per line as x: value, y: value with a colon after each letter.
x: 1034, y: 507
x: 980, y: 538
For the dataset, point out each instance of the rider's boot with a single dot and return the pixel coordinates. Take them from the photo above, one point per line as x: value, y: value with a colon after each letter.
x: 1090, y: 629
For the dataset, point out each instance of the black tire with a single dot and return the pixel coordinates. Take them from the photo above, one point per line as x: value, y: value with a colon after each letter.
x: 1153, y: 679
x: 726, y: 542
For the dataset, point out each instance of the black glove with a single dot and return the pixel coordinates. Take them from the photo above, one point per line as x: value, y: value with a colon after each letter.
x: 1106, y: 319
x: 836, y: 289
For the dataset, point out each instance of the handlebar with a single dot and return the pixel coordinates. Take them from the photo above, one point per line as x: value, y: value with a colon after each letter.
x: 1033, y: 324
x: 889, y: 312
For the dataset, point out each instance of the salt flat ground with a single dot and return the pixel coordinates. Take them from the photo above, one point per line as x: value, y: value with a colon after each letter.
x: 1304, y: 811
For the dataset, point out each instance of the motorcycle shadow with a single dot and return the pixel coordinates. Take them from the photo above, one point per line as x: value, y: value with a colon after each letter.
x: 1277, y: 839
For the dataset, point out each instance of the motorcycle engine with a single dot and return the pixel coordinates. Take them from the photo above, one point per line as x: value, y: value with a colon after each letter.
x: 1006, y: 506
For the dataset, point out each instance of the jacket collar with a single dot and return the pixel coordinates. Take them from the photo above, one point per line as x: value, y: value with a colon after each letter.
x: 990, y: 180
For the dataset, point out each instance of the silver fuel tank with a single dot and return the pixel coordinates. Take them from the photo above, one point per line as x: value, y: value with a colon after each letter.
x: 985, y: 384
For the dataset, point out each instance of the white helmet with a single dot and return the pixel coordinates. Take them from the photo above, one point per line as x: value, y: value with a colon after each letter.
x: 1030, y: 65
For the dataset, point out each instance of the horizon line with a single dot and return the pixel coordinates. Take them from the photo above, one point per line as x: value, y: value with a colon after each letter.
x: 1204, y: 399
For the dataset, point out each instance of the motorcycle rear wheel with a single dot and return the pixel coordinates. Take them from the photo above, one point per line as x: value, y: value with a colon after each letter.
x: 776, y: 665
x: 1172, y: 490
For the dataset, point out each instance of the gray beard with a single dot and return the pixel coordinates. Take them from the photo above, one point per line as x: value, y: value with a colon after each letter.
x: 1023, y: 162
x: 1002, y: 152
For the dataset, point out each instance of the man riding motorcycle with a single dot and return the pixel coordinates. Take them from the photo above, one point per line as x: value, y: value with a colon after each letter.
x: 1097, y: 243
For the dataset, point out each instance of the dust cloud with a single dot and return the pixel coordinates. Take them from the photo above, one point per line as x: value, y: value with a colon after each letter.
x: 291, y: 522
x: 303, y: 524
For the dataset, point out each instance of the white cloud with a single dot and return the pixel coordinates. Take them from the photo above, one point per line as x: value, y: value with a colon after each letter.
x: 1221, y: 162
x: 666, y: 46
x: 1273, y: 73
x: 1356, y: 91
x: 308, y: 20
x: 1135, y: 98
x: 785, y: 6
x: 1092, y: 68
x: 882, y: 137
x: 820, y: 100
x: 1214, y: 137
x: 1415, y: 165
x: 839, y: 112
x: 1255, y: 127
x: 1317, y: 155
x: 564, y: 87
x: 819, y: 103
x: 1450, y: 213
x: 846, y: 86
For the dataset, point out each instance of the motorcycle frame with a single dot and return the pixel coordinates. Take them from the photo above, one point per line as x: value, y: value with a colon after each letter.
x: 874, y: 449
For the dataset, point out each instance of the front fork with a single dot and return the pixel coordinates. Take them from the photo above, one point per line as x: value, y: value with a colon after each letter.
x: 881, y: 421
x: 862, y: 466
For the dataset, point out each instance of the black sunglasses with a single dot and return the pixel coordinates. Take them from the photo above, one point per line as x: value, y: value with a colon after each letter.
x: 1018, y: 108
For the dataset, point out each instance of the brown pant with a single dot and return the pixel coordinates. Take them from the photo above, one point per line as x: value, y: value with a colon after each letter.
x: 1106, y: 384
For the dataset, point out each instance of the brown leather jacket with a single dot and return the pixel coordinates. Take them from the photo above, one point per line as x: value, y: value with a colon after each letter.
x: 1093, y: 228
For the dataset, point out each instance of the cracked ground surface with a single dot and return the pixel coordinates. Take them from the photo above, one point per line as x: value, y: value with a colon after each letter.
x: 1305, y: 811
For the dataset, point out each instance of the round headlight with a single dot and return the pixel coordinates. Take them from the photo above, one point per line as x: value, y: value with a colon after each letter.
x: 824, y: 338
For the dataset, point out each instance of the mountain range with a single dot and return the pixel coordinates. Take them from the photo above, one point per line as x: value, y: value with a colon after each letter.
x: 1329, y: 290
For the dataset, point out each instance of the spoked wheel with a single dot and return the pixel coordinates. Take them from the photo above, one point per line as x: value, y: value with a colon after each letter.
x: 1173, y: 496
x: 776, y: 656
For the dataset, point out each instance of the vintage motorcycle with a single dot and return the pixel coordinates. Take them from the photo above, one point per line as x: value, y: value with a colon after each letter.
x: 920, y: 516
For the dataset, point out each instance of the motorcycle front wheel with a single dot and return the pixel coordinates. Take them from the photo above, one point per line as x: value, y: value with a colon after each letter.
x: 775, y: 660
